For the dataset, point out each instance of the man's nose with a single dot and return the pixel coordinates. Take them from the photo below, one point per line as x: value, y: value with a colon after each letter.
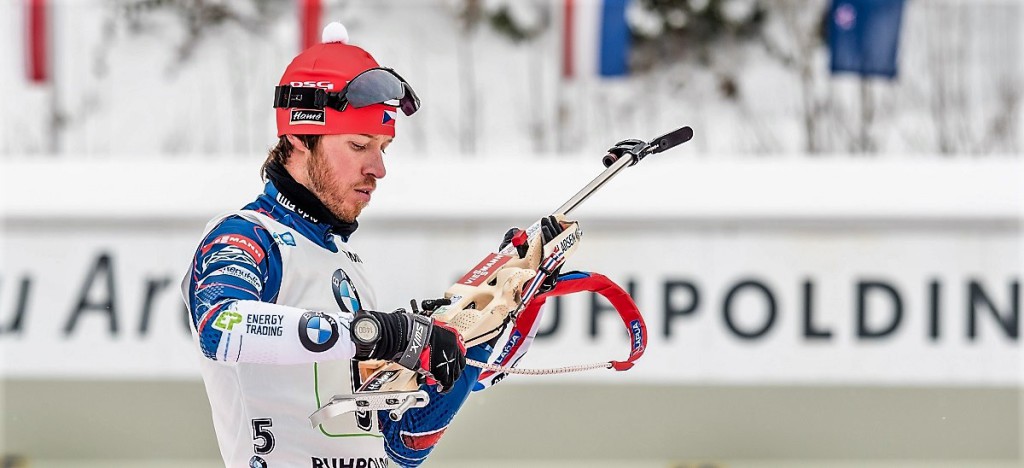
x: 375, y: 166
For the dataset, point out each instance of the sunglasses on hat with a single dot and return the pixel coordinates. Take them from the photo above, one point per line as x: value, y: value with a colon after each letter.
x: 373, y: 86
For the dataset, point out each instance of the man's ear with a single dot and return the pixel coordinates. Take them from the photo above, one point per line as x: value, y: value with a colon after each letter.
x: 297, y: 144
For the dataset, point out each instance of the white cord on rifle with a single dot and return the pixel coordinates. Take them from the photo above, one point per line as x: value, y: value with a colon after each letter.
x: 551, y: 371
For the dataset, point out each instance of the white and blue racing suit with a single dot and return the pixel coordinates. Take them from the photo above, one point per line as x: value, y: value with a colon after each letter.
x: 271, y: 292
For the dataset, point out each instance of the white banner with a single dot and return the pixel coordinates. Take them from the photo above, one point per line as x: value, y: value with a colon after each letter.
x: 754, y: 303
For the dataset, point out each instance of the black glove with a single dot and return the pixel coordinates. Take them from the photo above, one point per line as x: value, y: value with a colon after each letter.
x: 433, y: 349
x: 550, y: 228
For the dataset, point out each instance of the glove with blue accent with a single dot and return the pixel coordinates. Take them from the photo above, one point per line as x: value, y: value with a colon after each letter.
x: 410, y: 440
x: 432, y: 349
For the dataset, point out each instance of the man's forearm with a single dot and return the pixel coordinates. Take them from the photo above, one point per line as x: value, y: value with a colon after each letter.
x: 266, y: 333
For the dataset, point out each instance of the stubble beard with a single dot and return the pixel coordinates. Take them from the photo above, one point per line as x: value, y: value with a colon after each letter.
x: 332, y: 197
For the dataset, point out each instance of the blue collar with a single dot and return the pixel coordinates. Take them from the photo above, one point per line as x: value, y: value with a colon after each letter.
x: 279, y: 208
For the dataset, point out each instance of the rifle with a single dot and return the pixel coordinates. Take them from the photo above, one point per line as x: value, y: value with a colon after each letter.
x: 496, y: 292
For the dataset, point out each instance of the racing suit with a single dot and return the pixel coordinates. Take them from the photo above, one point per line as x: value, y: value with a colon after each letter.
x: 271, y: 291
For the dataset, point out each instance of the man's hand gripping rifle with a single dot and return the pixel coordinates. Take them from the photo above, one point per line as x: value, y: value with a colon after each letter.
x: 493, y: 294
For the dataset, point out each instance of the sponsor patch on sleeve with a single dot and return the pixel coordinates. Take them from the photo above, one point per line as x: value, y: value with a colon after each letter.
x: 318, y: 331
x: 248, y: 245
x: 228, y: 255
x: 285, y: 238
x: 227, y: 320
x: 240, y: 273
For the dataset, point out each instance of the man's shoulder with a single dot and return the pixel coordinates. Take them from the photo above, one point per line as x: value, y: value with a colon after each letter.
x: 240, y: 232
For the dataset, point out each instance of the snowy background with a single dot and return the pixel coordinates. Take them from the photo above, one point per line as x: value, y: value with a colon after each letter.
x: 195, y: 78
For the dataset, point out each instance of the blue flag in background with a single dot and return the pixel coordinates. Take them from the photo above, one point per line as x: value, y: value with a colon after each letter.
x: 864, y: 36
x: 615, y: 39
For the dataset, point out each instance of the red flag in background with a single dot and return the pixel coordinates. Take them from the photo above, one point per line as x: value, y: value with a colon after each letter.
x: 37, y: 39
x: 309, y: 22
x: 567, y: 43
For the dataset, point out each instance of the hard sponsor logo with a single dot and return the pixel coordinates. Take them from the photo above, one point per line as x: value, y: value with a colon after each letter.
x: 417, y: 337
x: 242, y: 274
x: 284, y: 238
x: 512, y: 341
x: 291, y: 206
x: 638, y: 336
x: 312, y: 84
x: 378, y: 380
x: 264, y: 324
x: 417, y: 342
x: 242, y: 242
x: 353, y: 257
x: 570, y: 240
x: 330, y: 462
x: 345, y: 292
x: 307, y: 117
x: 227, y: 320
x: 284, y: 201
x: 318, y: 331
x: 257, y: 462
x: 482, y: 270
x: 230, y: 254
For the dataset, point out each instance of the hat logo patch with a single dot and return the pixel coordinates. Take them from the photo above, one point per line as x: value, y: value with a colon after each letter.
x: 307, y: 117
x: 312, y: 84
x: 389, y: 118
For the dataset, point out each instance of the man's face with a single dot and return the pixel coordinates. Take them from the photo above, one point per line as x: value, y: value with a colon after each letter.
x: 343, y: 170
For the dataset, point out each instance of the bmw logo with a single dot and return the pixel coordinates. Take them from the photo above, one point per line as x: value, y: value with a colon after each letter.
x: 257, y: 462
x: 318, y: 332
x: 345, y: 292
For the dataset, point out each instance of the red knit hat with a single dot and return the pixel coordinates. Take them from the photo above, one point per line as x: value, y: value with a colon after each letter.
x: 330, y: 66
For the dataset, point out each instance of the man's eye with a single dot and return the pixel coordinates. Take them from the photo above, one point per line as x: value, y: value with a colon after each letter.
x: 358, y: 147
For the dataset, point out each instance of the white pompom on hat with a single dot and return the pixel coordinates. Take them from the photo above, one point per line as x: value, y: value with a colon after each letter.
x: 335, y: 32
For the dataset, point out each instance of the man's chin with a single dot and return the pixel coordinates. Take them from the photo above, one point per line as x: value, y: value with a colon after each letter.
x: 348, y: 215
x: 348, y: 218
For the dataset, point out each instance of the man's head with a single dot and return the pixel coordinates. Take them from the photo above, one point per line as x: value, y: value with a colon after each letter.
x: 336, y: 113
